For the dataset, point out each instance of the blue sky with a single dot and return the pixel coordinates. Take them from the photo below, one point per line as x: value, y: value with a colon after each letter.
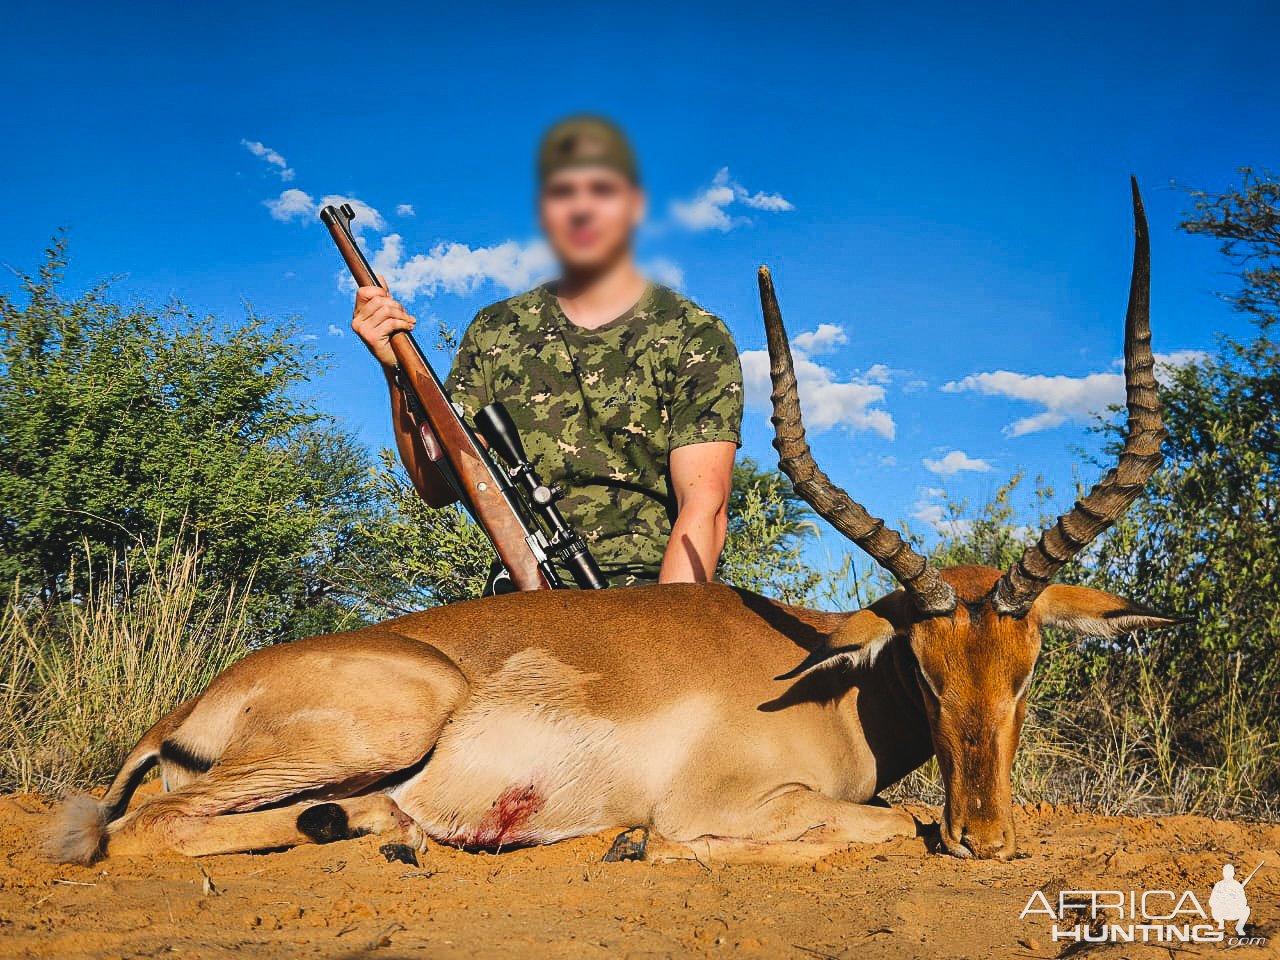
x: 944, y: 189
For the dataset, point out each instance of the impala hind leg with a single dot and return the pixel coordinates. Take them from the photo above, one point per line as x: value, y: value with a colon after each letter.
x: 330, y: 718
x: 289, y: 826
x: 232, y: 806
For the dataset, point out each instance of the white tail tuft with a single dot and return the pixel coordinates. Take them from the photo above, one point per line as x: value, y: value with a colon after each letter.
x: 78, y: 833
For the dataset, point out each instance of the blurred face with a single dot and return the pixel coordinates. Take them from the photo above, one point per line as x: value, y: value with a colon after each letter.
x: 588, y: 215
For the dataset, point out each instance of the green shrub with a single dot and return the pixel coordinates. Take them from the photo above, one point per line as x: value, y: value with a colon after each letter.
x: 119, y: 422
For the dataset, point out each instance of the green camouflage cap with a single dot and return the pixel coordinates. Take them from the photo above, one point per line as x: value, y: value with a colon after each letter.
x: 586, y: 141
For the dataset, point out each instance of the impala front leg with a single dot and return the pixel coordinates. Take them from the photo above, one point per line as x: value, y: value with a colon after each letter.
x: 809, y: 815
x: 798, y: 826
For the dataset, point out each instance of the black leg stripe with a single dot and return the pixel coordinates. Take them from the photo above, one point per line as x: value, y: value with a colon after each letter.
x: 180, y: 756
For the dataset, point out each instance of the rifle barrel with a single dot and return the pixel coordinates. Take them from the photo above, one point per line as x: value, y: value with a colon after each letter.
x: 1250, y: 876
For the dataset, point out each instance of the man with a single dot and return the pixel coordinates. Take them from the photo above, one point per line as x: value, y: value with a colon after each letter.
x: 626, y: 394
x: 1227, y: 900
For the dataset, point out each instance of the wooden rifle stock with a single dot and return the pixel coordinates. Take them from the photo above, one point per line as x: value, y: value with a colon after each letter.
x: 482, y: 487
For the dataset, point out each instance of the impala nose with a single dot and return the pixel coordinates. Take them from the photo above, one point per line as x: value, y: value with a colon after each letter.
x: 995, y: 847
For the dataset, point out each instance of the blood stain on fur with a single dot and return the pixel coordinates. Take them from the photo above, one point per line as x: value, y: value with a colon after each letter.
x: 504, y: 823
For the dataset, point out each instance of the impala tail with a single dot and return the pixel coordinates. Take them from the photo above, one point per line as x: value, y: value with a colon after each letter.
x: 78, y: 831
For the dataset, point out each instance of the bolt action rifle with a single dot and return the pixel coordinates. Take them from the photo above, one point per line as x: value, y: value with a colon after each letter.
x: 515, y: 509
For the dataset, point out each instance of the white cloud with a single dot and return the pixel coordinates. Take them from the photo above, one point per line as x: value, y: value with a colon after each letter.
x: 926, y: 509
x: 878, y: 373
x: 336, y: 331
x: 295, y: 204
x: 827, y: 400
x: 450, y: 266
x: 955, y: 462
x: 1166, y: 363
x: 927, y: 512
x: 708, y: 210
x: 826, y: 338
x: 459, y: 269
x: 259, y: 149
x: 453, y: 267
x: 773, y: 202
x: 292, y: 204
x: 665, y: 272
x: 1063, y: 398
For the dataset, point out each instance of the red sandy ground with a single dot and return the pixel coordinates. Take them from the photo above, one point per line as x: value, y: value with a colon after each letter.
x: 343, y: 900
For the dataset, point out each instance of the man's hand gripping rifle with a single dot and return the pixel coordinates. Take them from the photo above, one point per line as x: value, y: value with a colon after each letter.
x: 515, y: 509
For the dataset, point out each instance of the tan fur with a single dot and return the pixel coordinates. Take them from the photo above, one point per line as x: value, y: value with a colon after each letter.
x: 78, y: 831
x: 533, y: 717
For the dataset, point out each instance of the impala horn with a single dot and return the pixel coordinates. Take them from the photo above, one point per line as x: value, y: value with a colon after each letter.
x: 1140, y: 457
x: 932, y: 595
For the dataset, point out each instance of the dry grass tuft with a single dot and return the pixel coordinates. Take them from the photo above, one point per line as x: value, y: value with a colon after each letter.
x: 1101, y: 754
x: 81, y: 680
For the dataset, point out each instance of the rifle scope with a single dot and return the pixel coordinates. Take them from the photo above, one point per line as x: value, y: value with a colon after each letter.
x: 494, y: 423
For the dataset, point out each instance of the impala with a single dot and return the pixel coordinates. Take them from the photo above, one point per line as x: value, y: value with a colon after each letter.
x: 702, y: 712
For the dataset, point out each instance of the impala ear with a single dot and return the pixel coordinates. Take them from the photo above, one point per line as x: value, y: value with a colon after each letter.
x: 1094, y: 613
x: 854, y: 643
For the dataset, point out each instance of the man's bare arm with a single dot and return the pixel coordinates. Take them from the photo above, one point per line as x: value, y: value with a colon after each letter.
x: 701, y: 475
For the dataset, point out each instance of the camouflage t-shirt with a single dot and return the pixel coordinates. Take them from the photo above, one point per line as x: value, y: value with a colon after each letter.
x: 601, y: 410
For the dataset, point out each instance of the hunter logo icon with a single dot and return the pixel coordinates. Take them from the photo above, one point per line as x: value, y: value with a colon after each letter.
x: 1227, y: 902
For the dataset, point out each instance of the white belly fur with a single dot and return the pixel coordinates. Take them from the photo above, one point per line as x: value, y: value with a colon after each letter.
x: 525, y: 762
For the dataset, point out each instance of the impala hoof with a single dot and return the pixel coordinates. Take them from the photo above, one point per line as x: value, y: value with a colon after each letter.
x: 628, y: 845
x: 399, y: 853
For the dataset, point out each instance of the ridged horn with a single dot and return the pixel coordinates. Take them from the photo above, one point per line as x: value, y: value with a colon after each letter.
x: 1140, y: 457
x: 932, y: 594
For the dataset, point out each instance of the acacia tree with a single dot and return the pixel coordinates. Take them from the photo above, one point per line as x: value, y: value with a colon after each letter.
x: 127, y: 425
x: 1246, y: 219
x: 1204, y: 537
